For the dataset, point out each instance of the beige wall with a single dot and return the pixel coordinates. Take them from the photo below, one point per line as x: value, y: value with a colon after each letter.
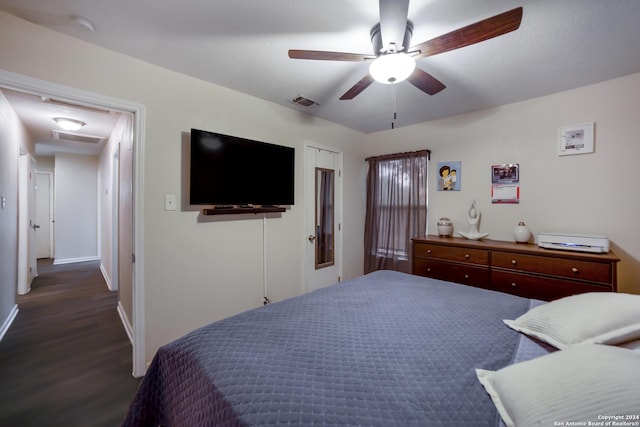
x: 106, y: 195
x: 14, y: 140
x: 45, y: 164
x: 9, y: 151
x: 76, y: 208
x: 199, y: 270
x: 587, y: 193
x: 195, y: 270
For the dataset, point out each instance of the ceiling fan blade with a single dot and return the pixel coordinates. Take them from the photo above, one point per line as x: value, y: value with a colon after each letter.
x: 425, y: 82
x: 471, y: 34
x: 357, y: 88
x: 328, y: 56
x: 393, y: 22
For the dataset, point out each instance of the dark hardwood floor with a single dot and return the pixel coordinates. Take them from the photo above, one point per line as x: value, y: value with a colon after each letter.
x: 66, y: 360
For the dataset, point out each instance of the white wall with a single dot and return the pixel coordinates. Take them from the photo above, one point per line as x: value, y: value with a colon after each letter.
x: 203, y: 269
x: 586, y: 193
x: 76, y: 208
x: 196, y: 271
x: 45, y: 163
x: 105, y: 200
x: 13, y: 139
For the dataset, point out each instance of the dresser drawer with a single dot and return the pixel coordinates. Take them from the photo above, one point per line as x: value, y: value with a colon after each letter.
x: 452, y: 253
x: 591, y: 271
x: 537, y: 287
x: 453, y: 272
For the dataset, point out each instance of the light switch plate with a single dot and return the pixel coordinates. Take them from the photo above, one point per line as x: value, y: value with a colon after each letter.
x: 169, y: 202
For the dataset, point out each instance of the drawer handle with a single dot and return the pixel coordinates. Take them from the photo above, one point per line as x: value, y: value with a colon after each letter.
x: 428, y: 251
x: 467, y: 256
x: 466, y: 276
x: 574, y: 270
x: 514, y: 262
x: 428, y: 270
x: 513, y: 285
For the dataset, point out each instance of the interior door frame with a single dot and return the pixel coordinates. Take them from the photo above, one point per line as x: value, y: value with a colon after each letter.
x: 27, y: 84
x: 31, y: 191
x: 26, y: 210
x: 310, y: 211
x: 115, y: 218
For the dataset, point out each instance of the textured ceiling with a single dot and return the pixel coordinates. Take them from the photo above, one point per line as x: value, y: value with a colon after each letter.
x: 37, y: 113
x: 243, y: 44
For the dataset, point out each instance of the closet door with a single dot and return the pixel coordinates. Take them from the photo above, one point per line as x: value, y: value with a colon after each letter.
x: 323, y: 216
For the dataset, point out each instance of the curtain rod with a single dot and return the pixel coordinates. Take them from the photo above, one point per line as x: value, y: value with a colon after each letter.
x: 391, y: 156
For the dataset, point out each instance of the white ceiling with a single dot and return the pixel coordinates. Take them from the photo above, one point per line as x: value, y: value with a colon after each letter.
x: 243, y: 44
x: 37, y: 113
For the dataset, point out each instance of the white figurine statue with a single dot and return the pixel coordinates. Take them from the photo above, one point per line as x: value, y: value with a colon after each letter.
x: 474, y: 220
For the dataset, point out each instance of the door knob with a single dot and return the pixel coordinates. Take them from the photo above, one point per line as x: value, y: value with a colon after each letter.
x: 36, y: 226
x: 311, y: 238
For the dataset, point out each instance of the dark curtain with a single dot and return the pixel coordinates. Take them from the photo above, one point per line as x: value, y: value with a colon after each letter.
x: 325, y: 220
x: 396, y: 209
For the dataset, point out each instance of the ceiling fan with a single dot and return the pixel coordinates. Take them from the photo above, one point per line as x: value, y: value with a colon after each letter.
x: 394, y: 59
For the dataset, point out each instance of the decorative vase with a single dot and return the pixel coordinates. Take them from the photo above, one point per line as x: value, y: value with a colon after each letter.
x: 521, y: 233
x: 445, y: 227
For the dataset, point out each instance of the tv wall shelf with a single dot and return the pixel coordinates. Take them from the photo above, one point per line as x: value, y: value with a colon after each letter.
x: 241, y: 210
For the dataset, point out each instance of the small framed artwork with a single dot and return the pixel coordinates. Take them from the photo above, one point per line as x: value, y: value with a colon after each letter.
x: 575, y: 139
x: 449, y: 176
x: 505, y: 183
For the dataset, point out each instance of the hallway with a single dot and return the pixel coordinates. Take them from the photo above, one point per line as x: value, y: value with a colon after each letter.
x: 66, y: 360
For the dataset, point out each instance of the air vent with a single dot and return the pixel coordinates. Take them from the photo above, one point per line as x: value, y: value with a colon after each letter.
x: 76, y: 137
x: 303, y: 101
x: 63, y: 103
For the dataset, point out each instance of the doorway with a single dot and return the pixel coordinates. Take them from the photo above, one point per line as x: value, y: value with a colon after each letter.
x: 323, y: 217
x: 27, y: 223
x: 44, y: 214
x: 26, y: 84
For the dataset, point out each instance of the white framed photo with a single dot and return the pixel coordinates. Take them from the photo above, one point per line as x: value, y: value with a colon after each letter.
x: 575, y: 139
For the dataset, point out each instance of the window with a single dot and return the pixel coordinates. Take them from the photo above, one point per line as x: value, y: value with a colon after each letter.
x: 396, y: 209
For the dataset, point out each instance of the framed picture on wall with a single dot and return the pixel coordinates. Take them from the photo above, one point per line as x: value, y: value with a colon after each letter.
x: 575, y: 139
x: 449, y: 176
x: 505, y: 183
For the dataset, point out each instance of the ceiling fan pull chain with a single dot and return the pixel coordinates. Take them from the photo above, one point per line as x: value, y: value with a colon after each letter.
x: 393, y: 105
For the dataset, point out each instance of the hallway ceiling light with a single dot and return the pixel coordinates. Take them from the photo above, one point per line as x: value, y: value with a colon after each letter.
x: 69, y: 124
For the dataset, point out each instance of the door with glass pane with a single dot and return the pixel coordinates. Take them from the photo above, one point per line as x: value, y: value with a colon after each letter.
x: 323, y: 216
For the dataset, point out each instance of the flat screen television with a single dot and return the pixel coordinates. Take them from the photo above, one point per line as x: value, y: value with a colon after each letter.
x: 228, y: 170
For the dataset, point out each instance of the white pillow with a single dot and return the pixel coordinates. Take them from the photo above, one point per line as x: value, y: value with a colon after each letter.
x: 631, y: 345
x: 581, y: 384
x: 591, y: 318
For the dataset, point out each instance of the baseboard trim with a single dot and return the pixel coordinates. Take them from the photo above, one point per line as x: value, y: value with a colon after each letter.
x: 9, y: 320
x: 125, y: 322
x: 72, y: 260
x: 106, y: 278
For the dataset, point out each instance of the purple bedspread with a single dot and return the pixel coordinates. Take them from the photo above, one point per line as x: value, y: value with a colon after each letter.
x: 385, y: 349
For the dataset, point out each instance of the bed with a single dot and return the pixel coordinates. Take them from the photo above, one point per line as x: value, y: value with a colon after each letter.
x: 384, y: 349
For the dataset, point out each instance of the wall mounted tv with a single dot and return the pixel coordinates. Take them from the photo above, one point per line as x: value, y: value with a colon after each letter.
x: 231, y: 171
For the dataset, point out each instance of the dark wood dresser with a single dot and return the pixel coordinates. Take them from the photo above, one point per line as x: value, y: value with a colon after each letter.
x: 522, y: 269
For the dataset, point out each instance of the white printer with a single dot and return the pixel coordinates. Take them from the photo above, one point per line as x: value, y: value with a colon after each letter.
x: 573, y: 242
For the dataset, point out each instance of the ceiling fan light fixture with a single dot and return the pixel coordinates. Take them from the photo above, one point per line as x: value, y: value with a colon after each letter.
x: 392, y: 68
x: 69, y: 124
